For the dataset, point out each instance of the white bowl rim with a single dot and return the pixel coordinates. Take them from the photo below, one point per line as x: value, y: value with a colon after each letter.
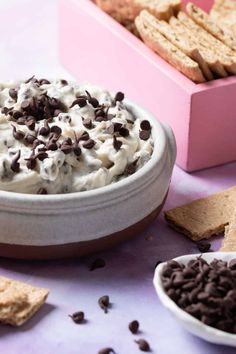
x: 158, y: 151
x: 221, y: 337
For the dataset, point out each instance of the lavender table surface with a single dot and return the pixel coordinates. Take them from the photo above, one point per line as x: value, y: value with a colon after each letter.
x: 28, y: 45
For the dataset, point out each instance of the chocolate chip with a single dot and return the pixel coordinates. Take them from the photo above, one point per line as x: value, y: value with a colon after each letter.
x: 41, y: 156
x: 100, y: 118
x: 104, y: 303
x: 87, y: 123
x: 77, y: 317
x: 119, y: 96
x: 84, y: 136
x: 45, y: 130
x: 106, y: 351
x: 13, y: 94
x: 66, y: 149
x: 30, y: 122
x: 18, y: 135
x: 143, y: 345
x: 56, y: 130
x: 134, y: 327
x: 145, y: 125
x: 116, y: 143
x: 77, y: 150
x: 44, y: 82
x: 232, y: 264
x: 124, y: 132
x: 89, y: 144
x: 131, y: 168
x: 97, y: 263
x: 25, y: 104
x: 64, y: 82
x: 17, y: 115
x: 5, y: 110
x: 52, y: 146
x: 203, y: 246
x: 94, y: 102
x: 57, y: 112
x: 29, y: 138
x: 144, y: 134
x: 42, y: 191
x: 81, y: 102
x: 31, y: 164
x: 15, y: 166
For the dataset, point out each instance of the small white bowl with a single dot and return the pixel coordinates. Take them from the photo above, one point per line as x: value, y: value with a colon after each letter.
x: 190, y: 323
x: 75, y: 224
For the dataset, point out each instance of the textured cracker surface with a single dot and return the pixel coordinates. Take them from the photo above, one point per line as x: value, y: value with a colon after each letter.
x: 229, y: 241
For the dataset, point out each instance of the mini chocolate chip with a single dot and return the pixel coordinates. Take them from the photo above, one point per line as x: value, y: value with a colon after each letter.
x: 143, y: 345
x: 29, y: 138
x: 45, y: 130
x: 15, y: 166
x: 94, y: 102
x: 144, y: 134
x: 56, y: 130
x: 5, y: 110
x: 203, y: 246
x: 78, y: 317
x: 42, y: 191
x: 64, y: 82
x: 116, y: 143
x: 97, y: 263
x: 17, y: 115
x: 81, y: 102
x: 21, y: 120
x: 67, y: 141
x: 41, y: 155
x: 131, y: 168
x: 89, y: 144
x: 99, y: 112
x: 104, y: 303
x: 57, y: 112
x: 18, y: 135
x: 52, y: 146
x: 119, y: 96
x: 77, y: 150
x: 13, y: 94
x: 100, y: 118
x: 145, y: 125
x: 66, y: 149
x: 44, y: 82
x: 232, y: 264
x: 25, y: 104
x: 30, y: 122
x: 84, y: 136
x: 124, y: 132
x: 87, y: 123
x: 134, y: 327
x: 106, y: 351
x: 31, y: 164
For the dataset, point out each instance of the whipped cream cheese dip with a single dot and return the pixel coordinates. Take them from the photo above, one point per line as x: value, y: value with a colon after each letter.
x: 62, y: 137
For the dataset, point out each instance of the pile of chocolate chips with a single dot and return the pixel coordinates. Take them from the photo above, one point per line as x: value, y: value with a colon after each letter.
x: 205, y: 291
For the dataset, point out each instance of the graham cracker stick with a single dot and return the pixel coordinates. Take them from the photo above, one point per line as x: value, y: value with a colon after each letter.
x: 204, y: 20
x: 229, y: 241
x: 204, y: 217
x: 156, y: 41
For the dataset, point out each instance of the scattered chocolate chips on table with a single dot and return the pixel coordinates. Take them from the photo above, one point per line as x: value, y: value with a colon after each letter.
x: 134, y: 327
x: 97, y: 263
x: 203, y: 246
x: 78, y: 317
x: 143, y: 345
x: 104, y: 303
x: 106, y: 351
x: 207, y: 291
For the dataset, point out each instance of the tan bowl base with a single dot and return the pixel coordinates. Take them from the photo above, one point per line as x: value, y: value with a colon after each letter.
x: 72, y: 250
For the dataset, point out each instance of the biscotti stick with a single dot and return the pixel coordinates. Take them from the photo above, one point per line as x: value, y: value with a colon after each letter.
x: 223, y: 13
x: 226, y: 55
x: 19, y: 301
x: 169, y: 52
x: 204, y: 20
x: 182, y: 41
x: 162, y: 9
x: 204, y: 217
x: 229, y: 241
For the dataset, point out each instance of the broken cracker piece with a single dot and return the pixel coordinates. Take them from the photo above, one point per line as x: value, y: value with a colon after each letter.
x: 229, y: 241
x: 19, y: 301
x: 204, y: 217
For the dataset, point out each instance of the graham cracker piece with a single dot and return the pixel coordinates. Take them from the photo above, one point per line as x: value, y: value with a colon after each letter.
x: 203, y: 217
x: 229, y: 241
x: 156, y: 41
x: 204, y: 20
x: 226, y: 55
x: 19, y: 301
x: 180, y: 40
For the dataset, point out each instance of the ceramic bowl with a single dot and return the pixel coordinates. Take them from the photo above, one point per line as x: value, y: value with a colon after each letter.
x: 190, y: 323
x: 75, y: 224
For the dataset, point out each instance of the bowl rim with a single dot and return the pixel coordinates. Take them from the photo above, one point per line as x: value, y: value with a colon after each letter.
x: 220, y: 336
x: 160, y: 141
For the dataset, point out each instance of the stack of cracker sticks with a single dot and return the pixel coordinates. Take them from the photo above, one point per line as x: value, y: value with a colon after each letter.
x: 199, y: 45
x: 206, y: 217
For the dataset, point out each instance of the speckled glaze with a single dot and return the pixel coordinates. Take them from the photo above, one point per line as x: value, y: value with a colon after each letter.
x: 43, y: 220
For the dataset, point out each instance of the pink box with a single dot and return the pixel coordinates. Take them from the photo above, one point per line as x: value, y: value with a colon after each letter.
x: 97, y: 49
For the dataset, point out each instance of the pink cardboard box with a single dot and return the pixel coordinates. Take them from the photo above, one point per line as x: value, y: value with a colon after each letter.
x: 97, y: 49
